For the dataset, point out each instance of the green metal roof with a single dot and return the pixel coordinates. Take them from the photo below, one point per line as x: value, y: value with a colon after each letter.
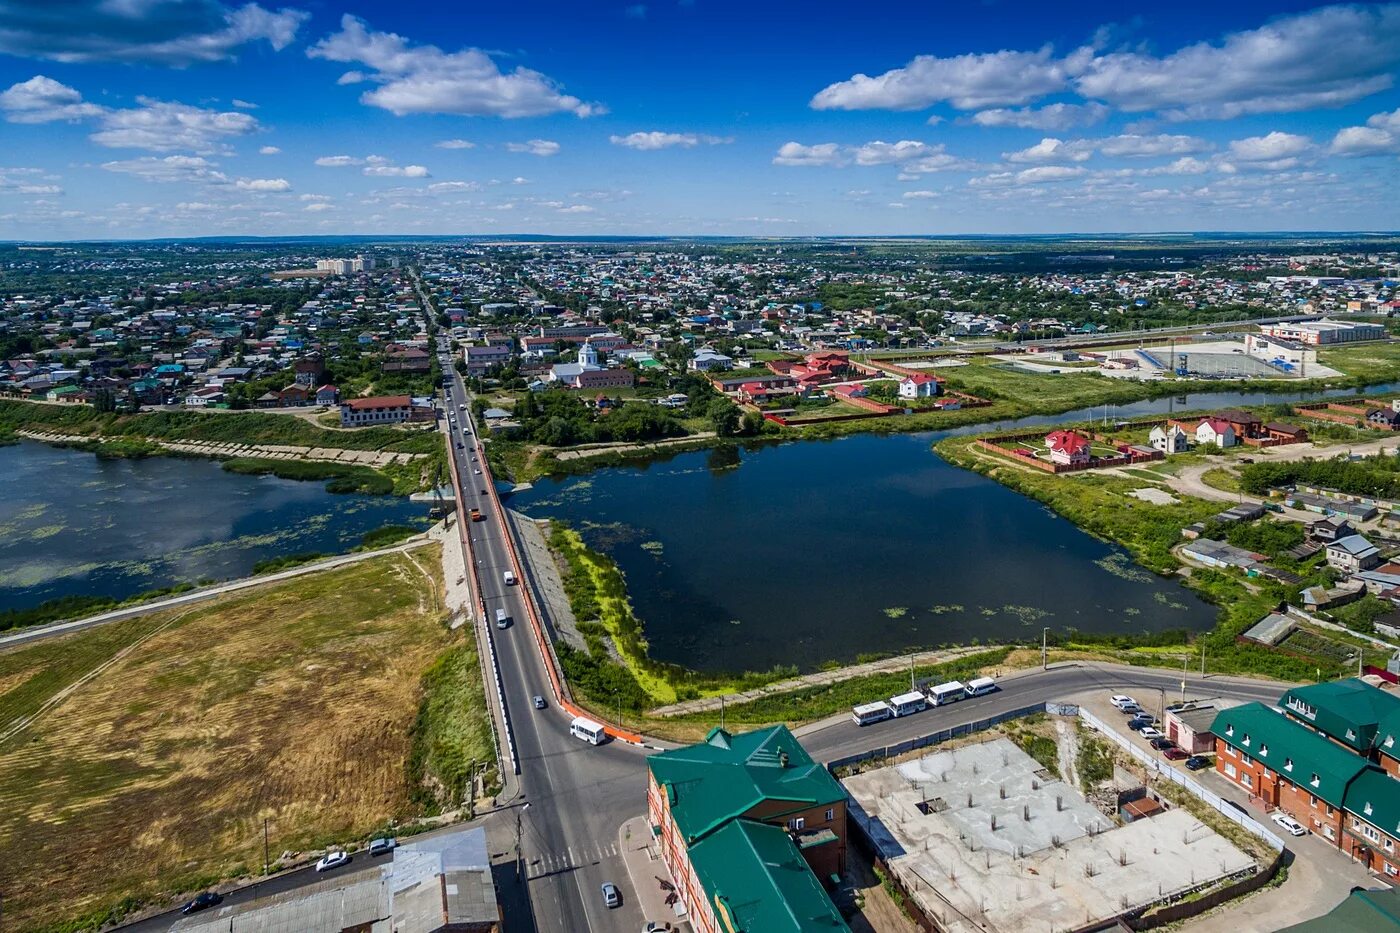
x: 1349, y: 710
x: 1388, y: 735
x: 754, y: 873
x: 1362, y: 912
x: 1375, y: 797
x: 1313, y: 762
x: 726, y: 776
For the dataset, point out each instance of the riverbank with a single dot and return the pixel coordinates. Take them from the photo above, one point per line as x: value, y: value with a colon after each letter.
x: 1015, y: 395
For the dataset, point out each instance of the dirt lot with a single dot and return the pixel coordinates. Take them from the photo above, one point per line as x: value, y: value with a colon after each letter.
x: 158, y: 746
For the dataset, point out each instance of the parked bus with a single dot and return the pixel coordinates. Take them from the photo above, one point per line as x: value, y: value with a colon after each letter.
x: 502, y: 620
x: 591, y: 732
x: 980, y: 685
x: 943, y: 694
x: 867, y: 713
x: 907, y: 703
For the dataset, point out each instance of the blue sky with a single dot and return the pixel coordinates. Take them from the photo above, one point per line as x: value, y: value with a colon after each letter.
x: 141, y: 118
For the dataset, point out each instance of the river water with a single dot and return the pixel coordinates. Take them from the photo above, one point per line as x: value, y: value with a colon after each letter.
x: 817, y: 551
x: 74, y: 525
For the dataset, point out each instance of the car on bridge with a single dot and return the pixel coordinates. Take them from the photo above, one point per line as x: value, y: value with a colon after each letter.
x: 332, y: 860
x: 202, y: 901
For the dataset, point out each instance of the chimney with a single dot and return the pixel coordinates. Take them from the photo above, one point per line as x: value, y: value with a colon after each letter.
x: 782, y: 758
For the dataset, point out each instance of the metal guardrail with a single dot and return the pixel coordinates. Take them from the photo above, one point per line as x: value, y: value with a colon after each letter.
x: 1164, y: 770
x: 933, y: 738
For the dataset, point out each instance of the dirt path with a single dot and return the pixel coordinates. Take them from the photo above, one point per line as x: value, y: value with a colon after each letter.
x: 593, y: 450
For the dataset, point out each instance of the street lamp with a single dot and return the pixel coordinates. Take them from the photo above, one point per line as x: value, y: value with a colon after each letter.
x: 1044, y: 648
x: 519, y: 855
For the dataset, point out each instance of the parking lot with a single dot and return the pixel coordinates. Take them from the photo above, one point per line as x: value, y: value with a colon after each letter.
x: 1319, y: 875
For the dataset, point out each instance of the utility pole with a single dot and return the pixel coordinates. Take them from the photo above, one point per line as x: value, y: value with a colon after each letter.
x: 267, y: 862
x: 911, y: 673
x: 1044, y: 647
x: 1185, y: 659
x: 519, y: 856
x: 1203, y: 662
x: 721, y: 710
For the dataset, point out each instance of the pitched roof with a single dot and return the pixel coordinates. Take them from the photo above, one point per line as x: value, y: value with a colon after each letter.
x: 1349, y: 710
x: 1318, y: 765
x: 1068, y: 441
x: 726, y: 775
x: 1218, y: 425
x: 1375, y: 797
x: 1353, y: 544
x: 1361, y: 912
x: 754, y: 873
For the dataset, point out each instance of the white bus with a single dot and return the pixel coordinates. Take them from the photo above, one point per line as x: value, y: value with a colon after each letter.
x: 502, y: 620
x: 907, y: 703
x: 943, y: 694
x: 591, y: 732
x: 980, y: 685
x: 867, y: 713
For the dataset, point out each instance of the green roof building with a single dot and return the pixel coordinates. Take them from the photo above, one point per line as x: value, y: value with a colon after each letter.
x: 1298, y: 754
x: 1350, y: 711
x: 1361, y: 912
x: 751, y: 829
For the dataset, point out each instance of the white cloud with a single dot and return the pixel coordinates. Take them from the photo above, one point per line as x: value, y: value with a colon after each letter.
x: 397, y: 171
x: 1163, y: 144
x: 338, y: 161
x: 1051, y: 149
x: 164, y: 126
x: 425, y: 79
x: 794, y: 153
x: 317, y: 206
x: 263, y: 184
x: 880, y: 152
x: 919, y: 195
x: 1322, y: 58
x: 175, y: 168
x: 1325, y: 57
x: 447, y: 187
x: 269, y: 150
x: 30, y: 182
x: 455, y: 144
x: 1057, y: 117
x: 146, y: 32
x: 1043, y: 173
x: 535, y: 147
x: 659, y: 140
x: 314, y: 197
x: 1271, y: 151
x: 577, y: 209
x: 520, y: 180
x: 968, y: 82
x: 43, y: 100
x: 1380, y: 136
x: 243, y: 104
x: 1186, y: 165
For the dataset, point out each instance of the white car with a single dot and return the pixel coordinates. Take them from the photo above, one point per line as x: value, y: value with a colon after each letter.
x: 1124, y: 702
x: 1293, y: 827
x: 333, y: 860
x: 1151, y: 732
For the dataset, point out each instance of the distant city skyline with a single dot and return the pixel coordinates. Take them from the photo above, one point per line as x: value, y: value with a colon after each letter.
x: 161, y: 118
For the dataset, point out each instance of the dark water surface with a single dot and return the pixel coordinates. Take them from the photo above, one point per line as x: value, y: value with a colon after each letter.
x: 815, y: 551
x: 74, y: 525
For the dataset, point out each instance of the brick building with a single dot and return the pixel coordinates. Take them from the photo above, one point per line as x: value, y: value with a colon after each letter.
x: 382, y: 409
x: 1328, y: 759
x: 751, y: 829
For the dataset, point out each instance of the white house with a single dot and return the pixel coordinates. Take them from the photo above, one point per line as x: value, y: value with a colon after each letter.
x: 1215, y: 431
x: 919, y: 385
x: 706, y: 359
x: 1352, y: 554
x: 1169, y: 440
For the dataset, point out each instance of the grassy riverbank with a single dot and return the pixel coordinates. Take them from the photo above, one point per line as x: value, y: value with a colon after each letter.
x: 1014, y: 393
x: 241, y: 427
x: 326, y: 705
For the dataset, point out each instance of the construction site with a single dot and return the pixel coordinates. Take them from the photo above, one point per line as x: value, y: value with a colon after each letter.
x: 983, y: 837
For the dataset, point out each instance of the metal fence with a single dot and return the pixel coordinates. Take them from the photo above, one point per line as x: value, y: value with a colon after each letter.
x: 1164, y: 770
x: 933, y: 738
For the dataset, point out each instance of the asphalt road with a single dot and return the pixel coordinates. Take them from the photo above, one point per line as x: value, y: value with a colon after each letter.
x: 578, y: 794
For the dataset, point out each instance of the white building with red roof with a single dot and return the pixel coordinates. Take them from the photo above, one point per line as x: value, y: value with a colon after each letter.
x: 919, y: 385
x: 1068, y: 447
x: 1216, y: 431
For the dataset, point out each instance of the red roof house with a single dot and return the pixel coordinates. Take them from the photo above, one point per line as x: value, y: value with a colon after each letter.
x: 1068, y: 447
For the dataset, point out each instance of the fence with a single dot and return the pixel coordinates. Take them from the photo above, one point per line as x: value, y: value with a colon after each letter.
x: 1161, y: 769
x: 933, y: 738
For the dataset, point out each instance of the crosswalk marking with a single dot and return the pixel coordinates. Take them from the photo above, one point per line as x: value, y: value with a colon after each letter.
x: 547, y: 863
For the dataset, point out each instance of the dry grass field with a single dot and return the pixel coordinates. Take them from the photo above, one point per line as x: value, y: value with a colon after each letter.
x: 154, y: 748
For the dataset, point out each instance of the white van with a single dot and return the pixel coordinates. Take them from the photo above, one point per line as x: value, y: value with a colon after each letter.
x: 509, y: 577
x: 591, y: 732
x: 908, y: 703
x: 502, y: 620
x: 943, y: 694
x: 867, y: 713
x: 980, y: 685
